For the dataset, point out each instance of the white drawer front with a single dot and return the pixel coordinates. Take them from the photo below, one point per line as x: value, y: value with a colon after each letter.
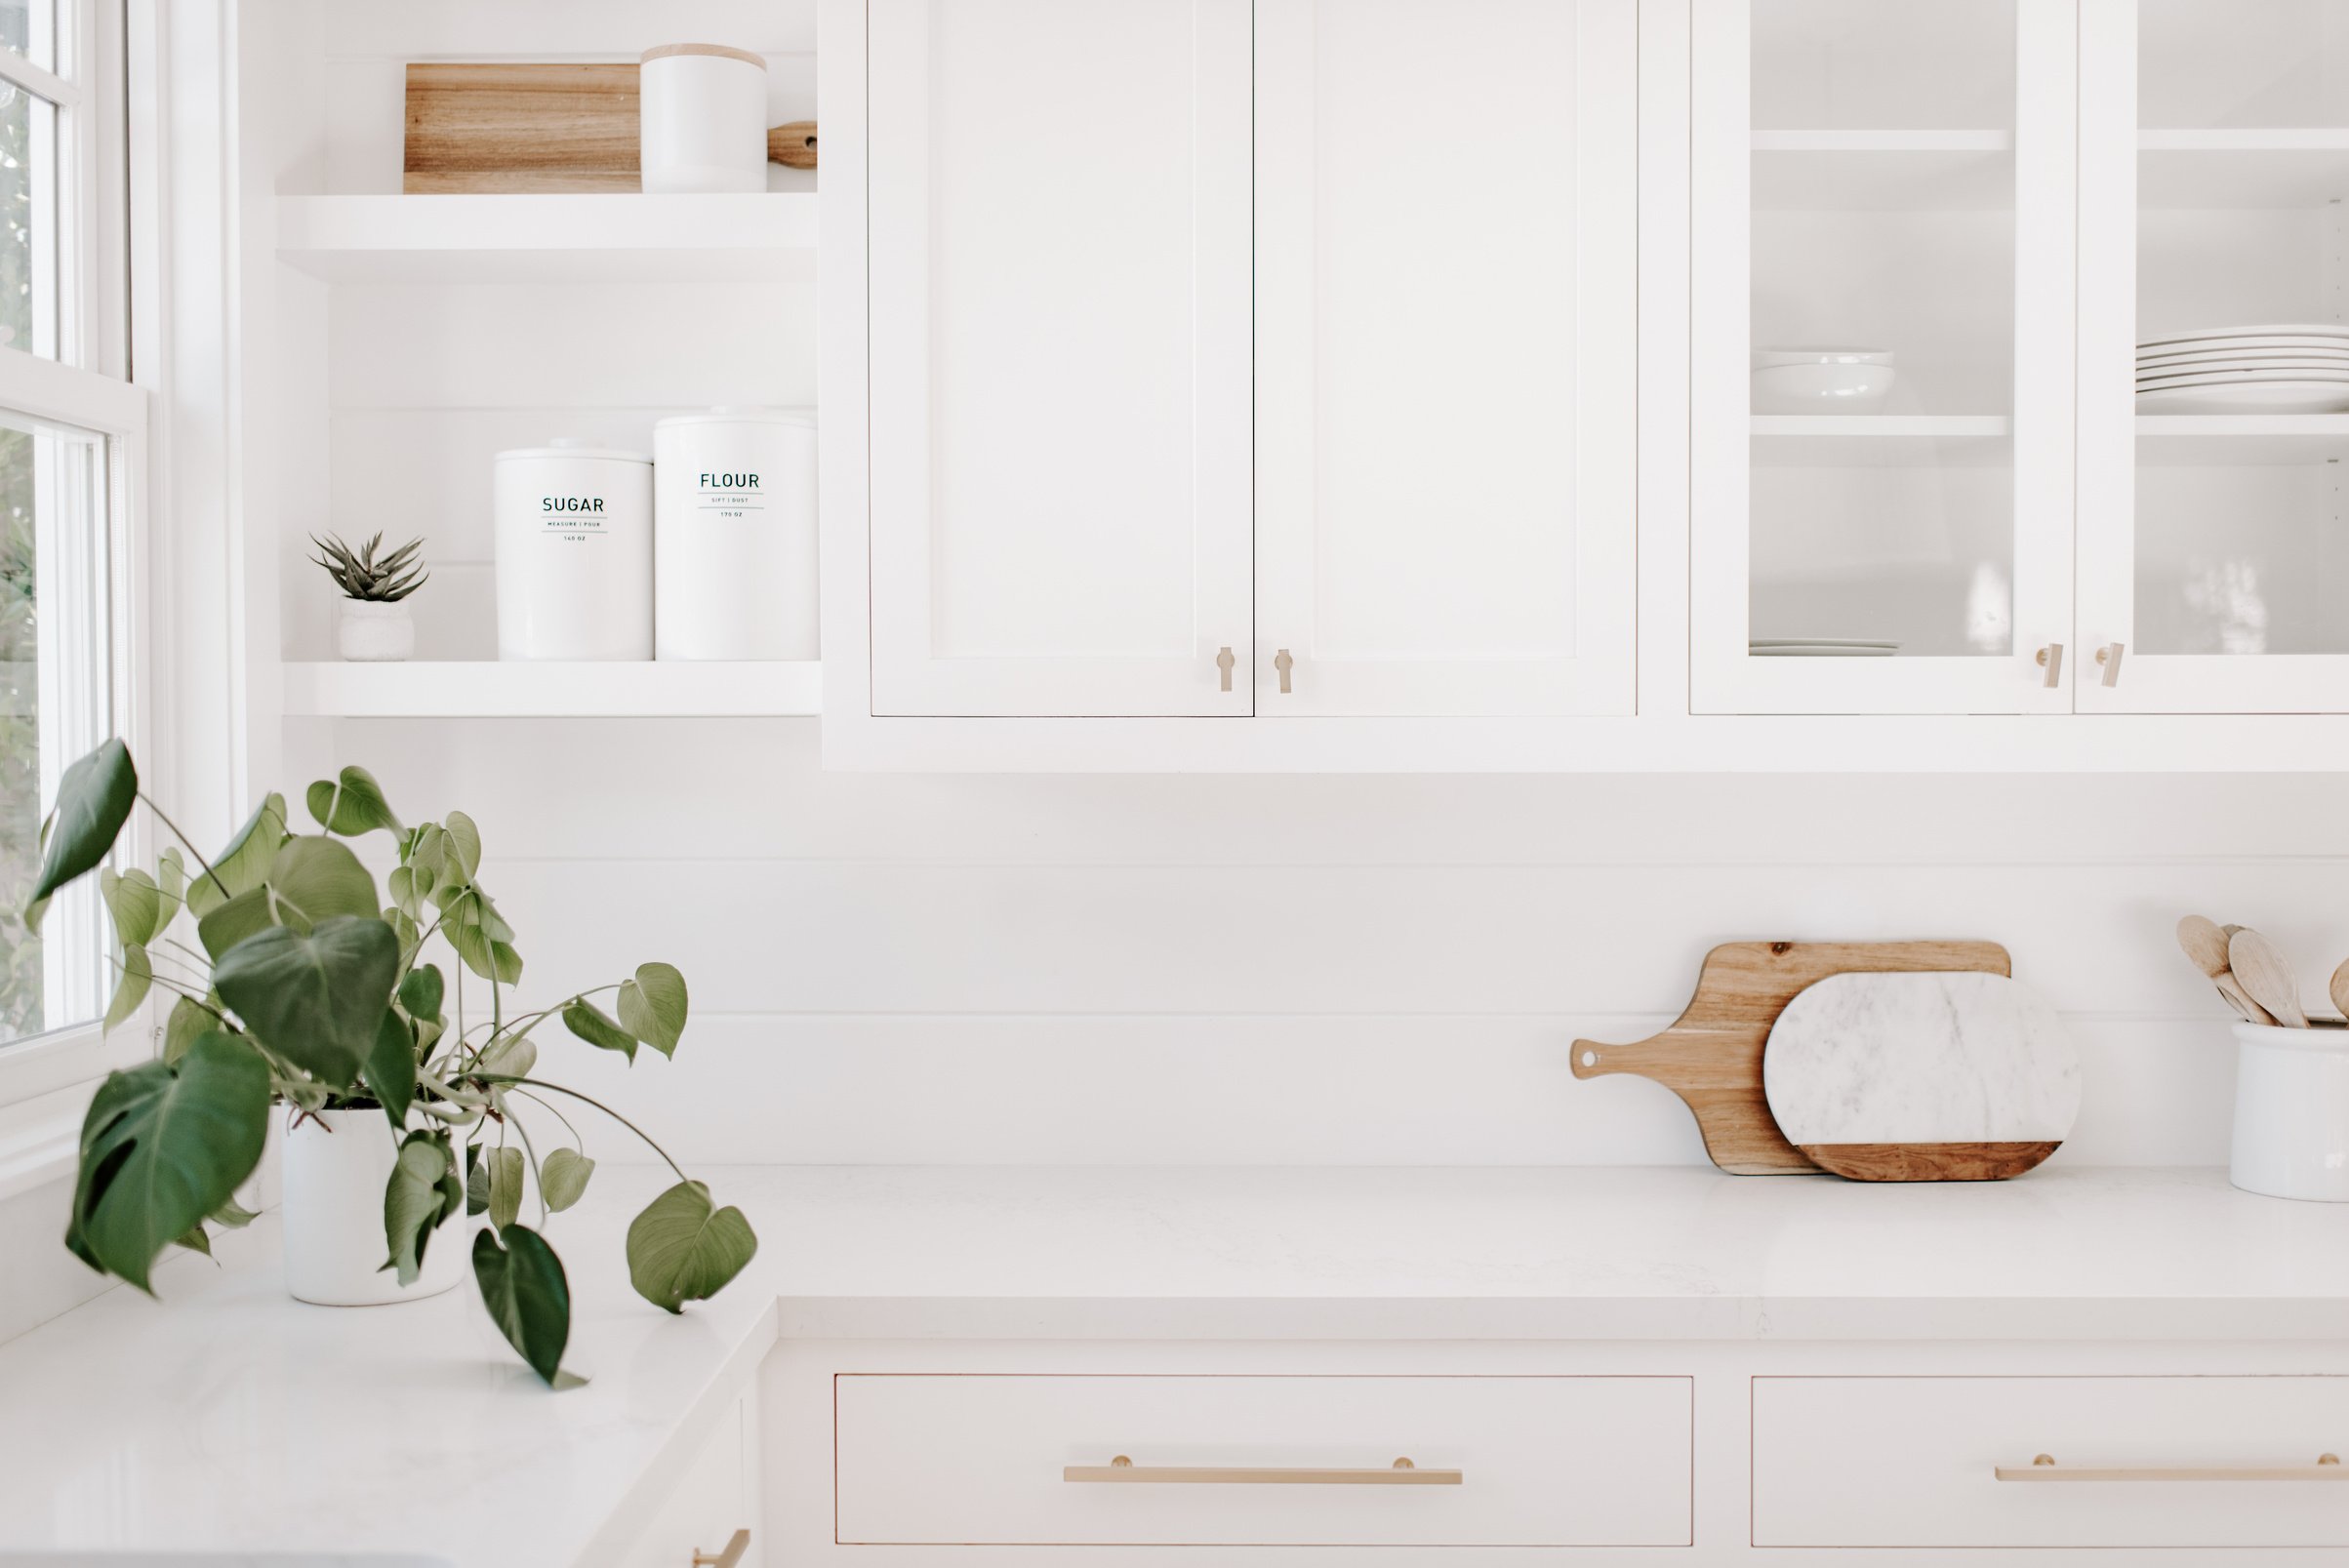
x: 1909, y: 1462
x: 978, y: 1459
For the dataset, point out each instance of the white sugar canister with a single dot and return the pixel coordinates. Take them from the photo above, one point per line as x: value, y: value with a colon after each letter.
x: 703, y: 118
x: 734, y: 534
x: 575, y: 552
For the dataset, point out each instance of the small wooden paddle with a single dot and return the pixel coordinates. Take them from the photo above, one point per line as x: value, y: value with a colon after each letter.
x: 2266, y: 978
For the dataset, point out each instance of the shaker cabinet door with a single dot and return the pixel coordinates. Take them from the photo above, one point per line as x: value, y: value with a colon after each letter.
x: 1883, y: 228
x: 1059, y: 352
x: 2213, y: 358
x: 1447, y: 260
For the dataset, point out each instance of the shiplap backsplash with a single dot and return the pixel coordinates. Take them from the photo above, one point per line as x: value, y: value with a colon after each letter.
x: 1322, y: 970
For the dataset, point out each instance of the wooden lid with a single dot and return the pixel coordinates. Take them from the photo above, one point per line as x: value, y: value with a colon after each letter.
x: 723, y: 51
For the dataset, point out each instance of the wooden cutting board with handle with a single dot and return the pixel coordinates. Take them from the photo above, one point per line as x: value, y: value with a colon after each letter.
x: 1711, y: 1057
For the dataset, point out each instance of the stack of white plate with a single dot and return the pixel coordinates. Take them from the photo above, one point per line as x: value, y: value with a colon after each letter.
x: 1819, y: 648
x: 2289, y: 368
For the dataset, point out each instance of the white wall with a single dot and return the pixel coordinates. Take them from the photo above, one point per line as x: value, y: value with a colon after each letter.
x: 1313, y: 970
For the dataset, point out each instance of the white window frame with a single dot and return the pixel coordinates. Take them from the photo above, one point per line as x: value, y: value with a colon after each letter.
x: 45, y: 1078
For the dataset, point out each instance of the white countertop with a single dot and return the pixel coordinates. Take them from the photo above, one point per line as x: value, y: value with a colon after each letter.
x: 229, y: 1418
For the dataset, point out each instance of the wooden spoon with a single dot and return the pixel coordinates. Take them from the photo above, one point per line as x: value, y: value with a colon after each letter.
x: 2266, y: 978
x: 2206, y: 945
x: 2338, y: 988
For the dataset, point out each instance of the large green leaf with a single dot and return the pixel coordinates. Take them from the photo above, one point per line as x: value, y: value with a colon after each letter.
x: 322, y: 879
x: 464, y: 845
x: 245, y: 864
x: 424, y: 1192
x: 589, y: 1022
x: 652, y: 1007
x: 350, y: 804
x: 485, y: 956
x: 680, y: 1250
x: 522, y: 1285
x: 505, y: 1167
x: 94, y: 800
x: 163, y: 1147
x: 315, y: 997
x: 563, y: 1177
x: 138, y: 975
x: 171, y: 884
x: 391, y: 1069
x: 136, y: 905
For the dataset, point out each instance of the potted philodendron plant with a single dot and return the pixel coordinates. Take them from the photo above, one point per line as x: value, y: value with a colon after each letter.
x: 305, y: 988
x: 372, y: 625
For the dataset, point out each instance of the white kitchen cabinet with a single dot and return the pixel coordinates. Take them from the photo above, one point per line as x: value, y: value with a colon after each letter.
x: 1445, y: 356
x: 1889, y: 175
x: 1058, y: 341
x: 716, y: 1495
x: 2214, y: 162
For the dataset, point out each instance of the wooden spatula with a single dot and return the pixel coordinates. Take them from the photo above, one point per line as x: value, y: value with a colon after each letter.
x: 792, y: 145
x: 2266, y: 978
x: 2206, y: 945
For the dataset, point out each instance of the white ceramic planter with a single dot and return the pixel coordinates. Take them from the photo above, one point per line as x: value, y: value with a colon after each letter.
x: 368, y: 632
x: 337, y: 1164
x: 2291, y: 1112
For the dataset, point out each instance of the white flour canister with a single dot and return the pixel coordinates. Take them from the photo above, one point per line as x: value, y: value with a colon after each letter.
x: 703, y: 118
x: 734, y: 534
x: 575, y: 552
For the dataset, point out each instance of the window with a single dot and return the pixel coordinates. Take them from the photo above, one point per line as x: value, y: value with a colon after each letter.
x: 71, y: 441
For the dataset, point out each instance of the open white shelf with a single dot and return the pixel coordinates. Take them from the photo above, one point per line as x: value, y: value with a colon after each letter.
x: 494, y: 690
x: 544, y: 239
x: 1884, y: 171
x: 2200, y: 168
x: 1872, y: 440
x: 2227, y: 440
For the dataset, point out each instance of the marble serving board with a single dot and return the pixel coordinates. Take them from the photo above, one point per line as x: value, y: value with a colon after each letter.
x: 1711, y: 1055
x: 1939, y: 1077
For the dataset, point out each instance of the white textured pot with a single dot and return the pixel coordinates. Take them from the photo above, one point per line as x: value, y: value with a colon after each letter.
x: 2291, y: 1112
x: 337, y: 1164
x: 370, y: 633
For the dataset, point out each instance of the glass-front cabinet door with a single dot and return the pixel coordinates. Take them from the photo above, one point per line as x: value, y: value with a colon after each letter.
x: 1882, y: 305
x: 2215, y: 356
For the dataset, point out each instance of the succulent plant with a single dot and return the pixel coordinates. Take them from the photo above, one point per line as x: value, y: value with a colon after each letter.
x: 360, y: 575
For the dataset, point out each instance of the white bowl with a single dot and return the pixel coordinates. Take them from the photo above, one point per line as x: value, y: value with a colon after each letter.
x: 1847, y: 386
x: 1764, y: 358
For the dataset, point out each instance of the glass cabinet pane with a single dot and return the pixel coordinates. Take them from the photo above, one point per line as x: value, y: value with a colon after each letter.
x: 2241, y: 351
x: 1883, y: 329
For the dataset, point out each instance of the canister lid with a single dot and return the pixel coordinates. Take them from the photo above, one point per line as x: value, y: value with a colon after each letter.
x: 571, y: 446
x: 720, y: 51
x: 740, y: 414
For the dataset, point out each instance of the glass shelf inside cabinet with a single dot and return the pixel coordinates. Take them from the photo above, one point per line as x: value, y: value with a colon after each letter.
x: 2242, y: 368
x: 1883, y: 329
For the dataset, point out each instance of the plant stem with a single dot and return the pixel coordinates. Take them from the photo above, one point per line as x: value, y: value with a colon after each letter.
x: 537, y: 1177
x: 576, y: 1138
x: 541, y: 1083
x: 184, y: 839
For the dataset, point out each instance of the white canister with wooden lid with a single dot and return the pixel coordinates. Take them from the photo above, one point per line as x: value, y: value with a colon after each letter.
x: 733, y: 535
x: 575, y: 552
x: 703, y: 118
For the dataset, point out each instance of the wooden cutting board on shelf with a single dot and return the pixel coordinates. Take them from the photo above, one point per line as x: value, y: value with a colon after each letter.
x: 1711, y: 1057
x: 520, y: 128
x: 538, y: 127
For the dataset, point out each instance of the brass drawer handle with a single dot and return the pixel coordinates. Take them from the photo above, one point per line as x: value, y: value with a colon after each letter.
x: 726, y: 1558
x: 1123, y: 1470
x: 2327, y: 1468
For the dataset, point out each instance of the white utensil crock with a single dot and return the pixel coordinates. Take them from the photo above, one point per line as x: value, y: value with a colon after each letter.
x: 2291, y: 1112
x: 336, y: 1165
x: 733, y: 535
x: 368, y: 632
x: 702, y: 114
